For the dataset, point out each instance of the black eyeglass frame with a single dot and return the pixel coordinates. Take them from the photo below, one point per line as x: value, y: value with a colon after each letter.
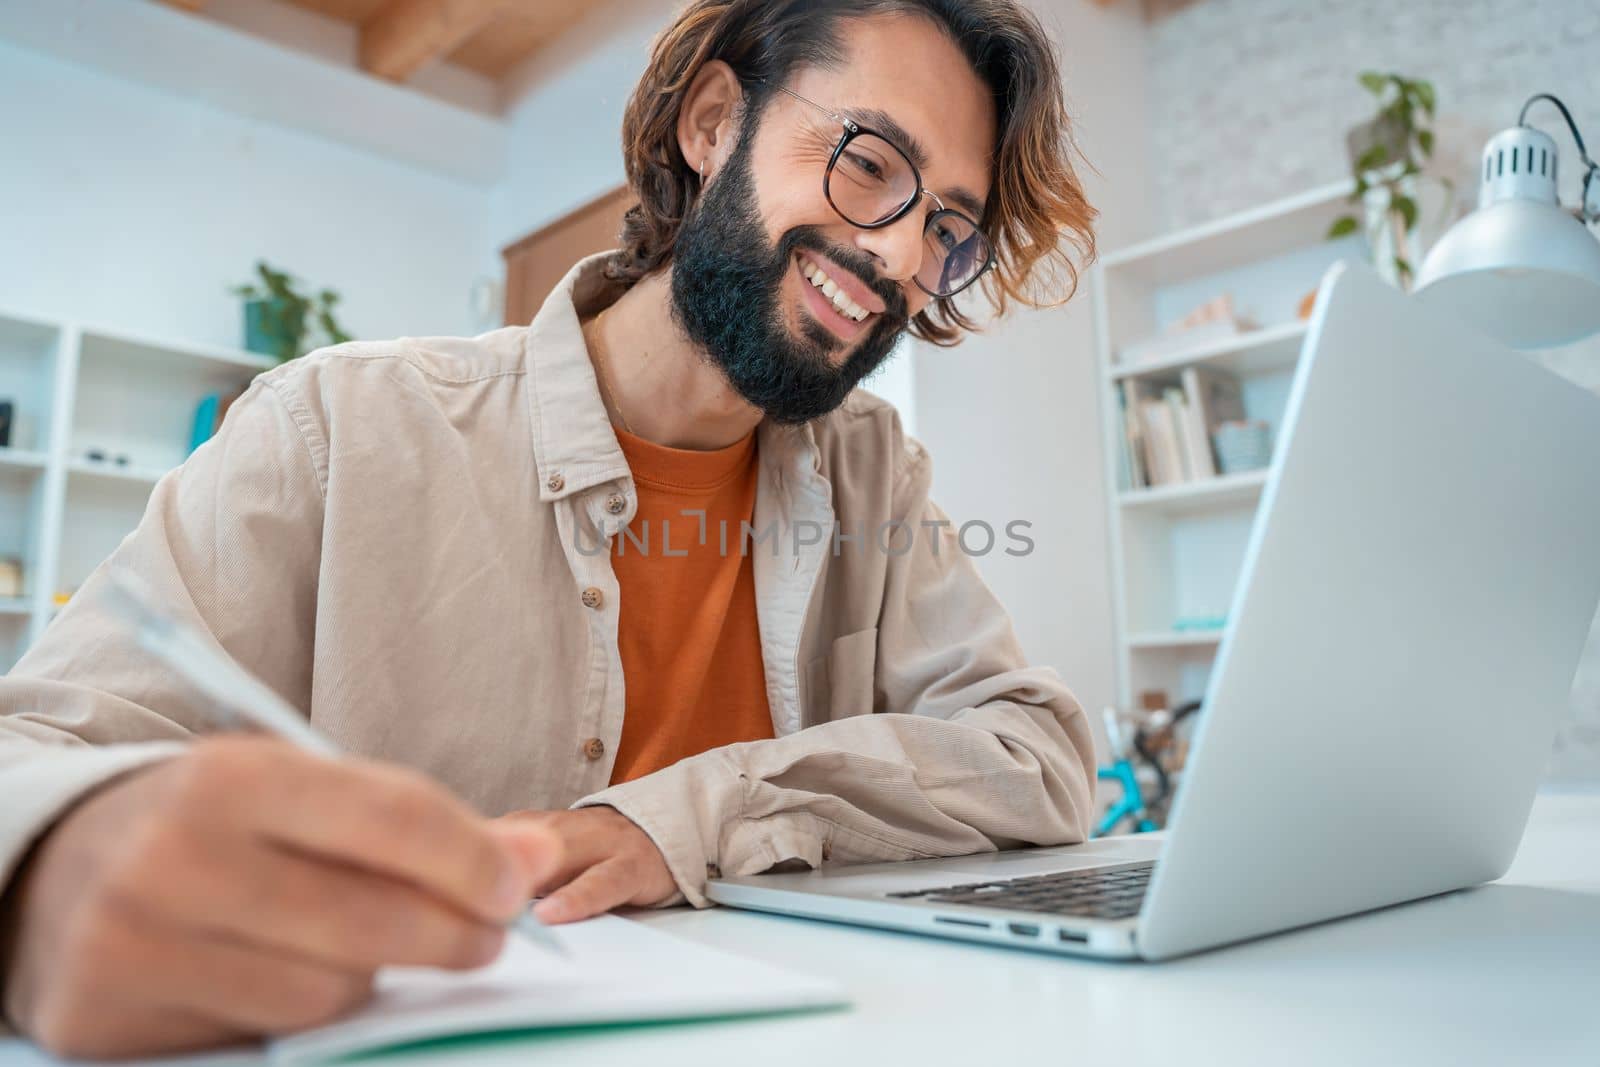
x: 852, y: 130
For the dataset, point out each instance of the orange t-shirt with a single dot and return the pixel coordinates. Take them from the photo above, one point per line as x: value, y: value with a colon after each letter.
x: 688, y: 635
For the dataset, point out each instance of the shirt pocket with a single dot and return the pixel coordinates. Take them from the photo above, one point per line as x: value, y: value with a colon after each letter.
x: 843, y: 682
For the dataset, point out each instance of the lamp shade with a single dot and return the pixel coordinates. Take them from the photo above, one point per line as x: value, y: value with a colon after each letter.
x: 1520, y: 268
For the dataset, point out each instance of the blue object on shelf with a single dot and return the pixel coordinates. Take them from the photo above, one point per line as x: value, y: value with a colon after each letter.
x: 205, y: 421
x: 1200, y: 622
x: 1243, y: 446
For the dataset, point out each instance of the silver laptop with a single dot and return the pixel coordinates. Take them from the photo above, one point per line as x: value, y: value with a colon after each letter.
x: 1416, y: 592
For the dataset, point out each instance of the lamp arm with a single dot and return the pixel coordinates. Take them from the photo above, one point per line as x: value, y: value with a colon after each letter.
x: 1591, y: 175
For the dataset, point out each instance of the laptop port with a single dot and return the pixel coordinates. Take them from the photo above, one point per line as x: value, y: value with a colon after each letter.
x: 979, y: 923
x: 1023, y: 929
x: 1073, y: 935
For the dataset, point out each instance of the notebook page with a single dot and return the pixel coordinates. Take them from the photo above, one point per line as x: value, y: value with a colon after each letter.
x: 619, y: 971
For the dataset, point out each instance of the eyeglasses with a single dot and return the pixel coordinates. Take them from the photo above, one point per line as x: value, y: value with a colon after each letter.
x: 871, y: 183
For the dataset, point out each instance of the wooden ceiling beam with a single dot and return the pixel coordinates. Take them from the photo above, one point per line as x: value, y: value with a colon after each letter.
x: 186, y: 5
x: 406, y: 34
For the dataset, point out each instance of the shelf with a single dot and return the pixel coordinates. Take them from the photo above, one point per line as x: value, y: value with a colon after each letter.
x: 1208, y: 494
x: 1274, y: 348
x: 1235, y: 240
x: 147, y: 476
x: 119, y: 345
x: 18, y: 330
x: 1174, y: 639
x: 15, y: 605
x: 21, y: 460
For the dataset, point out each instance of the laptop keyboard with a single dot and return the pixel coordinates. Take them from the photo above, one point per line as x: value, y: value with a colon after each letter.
x: 1101, y: 893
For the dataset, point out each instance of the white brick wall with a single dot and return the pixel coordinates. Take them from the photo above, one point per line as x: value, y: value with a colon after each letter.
x: 1250, y: 99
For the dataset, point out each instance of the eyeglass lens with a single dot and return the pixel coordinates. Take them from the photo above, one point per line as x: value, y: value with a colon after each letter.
x: 872, y: 180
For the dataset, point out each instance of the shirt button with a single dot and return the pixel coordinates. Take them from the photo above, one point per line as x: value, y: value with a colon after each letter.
x: 592, y: 597
x: 555, y: 483
x: 615, y: 503
x: 594, y: 748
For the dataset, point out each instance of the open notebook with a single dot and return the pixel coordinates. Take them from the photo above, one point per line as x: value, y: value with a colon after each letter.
x: 620, y: 971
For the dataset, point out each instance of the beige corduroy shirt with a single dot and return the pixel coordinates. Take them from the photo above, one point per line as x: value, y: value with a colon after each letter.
x: 408, y: 540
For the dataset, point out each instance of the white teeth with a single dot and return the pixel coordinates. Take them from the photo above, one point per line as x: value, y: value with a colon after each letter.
x: 830, y: 289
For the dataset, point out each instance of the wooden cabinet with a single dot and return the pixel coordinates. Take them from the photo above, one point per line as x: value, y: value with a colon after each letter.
x: 538, y: 261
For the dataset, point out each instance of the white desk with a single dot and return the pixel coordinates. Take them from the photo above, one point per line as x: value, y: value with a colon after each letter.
x: 1508, y: 974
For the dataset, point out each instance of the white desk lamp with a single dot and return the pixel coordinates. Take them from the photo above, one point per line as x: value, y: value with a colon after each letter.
x: 1522, y: 268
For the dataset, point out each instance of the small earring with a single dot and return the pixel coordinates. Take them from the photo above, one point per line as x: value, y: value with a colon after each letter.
x: 702, y: 170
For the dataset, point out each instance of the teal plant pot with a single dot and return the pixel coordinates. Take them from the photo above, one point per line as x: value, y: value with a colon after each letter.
x: 258, y: 337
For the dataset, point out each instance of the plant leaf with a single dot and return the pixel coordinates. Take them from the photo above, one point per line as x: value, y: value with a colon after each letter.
x: 1374, y: 157
x: 1342, y: 226
x: 1373, y: 81
x: 1408, y: 210
x: 1425, y: 139
x: 1402, y: 266
x: 1426, y: 97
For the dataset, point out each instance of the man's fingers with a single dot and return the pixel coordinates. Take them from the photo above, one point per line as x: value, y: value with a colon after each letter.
x: 259, y: 992
x: 597, y: 890
x: 387, y: 819
x: 316, y: 909
x: 544, y: 853
x: 566, y: 852
x: 119, y: 1033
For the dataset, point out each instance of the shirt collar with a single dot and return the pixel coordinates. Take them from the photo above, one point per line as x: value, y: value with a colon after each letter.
x: 575, y: 447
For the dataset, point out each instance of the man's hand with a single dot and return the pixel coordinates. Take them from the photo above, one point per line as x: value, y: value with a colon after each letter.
x: 246, y: 888
x: 605, y: 861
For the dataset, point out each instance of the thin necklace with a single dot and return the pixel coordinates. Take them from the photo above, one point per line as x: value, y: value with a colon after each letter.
x: 604, y: 366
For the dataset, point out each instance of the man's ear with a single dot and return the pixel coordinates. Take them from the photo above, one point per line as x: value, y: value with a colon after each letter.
x: 709, y: 116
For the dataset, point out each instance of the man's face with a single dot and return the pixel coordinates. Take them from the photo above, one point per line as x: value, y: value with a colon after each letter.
x: 739, y: 275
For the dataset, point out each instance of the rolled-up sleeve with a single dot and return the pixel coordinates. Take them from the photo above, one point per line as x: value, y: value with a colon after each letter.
x: 972, y: 749
x: 230, y: 544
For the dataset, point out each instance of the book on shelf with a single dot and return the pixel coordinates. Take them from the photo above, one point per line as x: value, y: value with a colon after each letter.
x: 1166, y: 462
x: 1215, y: 397
x: 208, y: 416
x: 1196, y: 441
x: 1178, y: 408
x: 1151, y: 435
x: 1167, y: 430
x: 1135, y: 470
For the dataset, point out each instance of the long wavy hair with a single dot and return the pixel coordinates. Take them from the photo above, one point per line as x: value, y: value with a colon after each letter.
x: 1037, y: 215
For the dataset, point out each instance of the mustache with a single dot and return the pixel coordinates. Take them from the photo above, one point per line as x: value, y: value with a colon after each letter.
x: 853, y: 260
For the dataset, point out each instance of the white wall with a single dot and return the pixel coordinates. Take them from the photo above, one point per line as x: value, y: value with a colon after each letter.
x: 566, y: 117
x: 1012, y: 416
x: 137, y: 207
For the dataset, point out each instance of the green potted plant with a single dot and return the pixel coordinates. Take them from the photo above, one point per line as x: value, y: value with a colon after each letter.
x: 279, y: 317
x: 1386, y: 156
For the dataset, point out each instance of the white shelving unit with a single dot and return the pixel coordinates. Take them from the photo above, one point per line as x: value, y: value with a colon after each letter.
x: 79, y: 387
x: 1177, y: 550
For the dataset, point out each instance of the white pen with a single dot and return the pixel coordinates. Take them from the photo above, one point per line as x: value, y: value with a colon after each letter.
x: 236, y: 689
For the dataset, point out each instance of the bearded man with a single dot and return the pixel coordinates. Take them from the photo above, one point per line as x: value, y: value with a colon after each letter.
x: 603, y: 605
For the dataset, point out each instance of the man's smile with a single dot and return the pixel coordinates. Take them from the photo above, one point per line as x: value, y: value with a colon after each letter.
x: 835, y: 297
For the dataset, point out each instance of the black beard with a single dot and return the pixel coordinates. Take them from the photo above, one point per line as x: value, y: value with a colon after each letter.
x: 726, y: 281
